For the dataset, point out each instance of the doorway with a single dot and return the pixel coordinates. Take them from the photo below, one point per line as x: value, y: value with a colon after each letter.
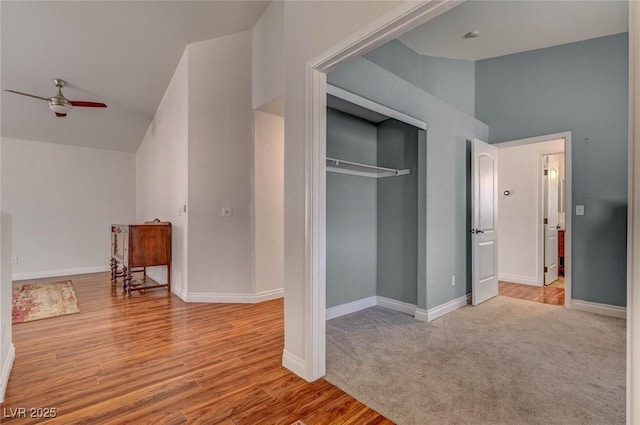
x: 534, y: 240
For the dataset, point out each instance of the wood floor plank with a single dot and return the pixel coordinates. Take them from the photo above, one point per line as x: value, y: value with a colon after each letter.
x: 154, y: 359
x: 553, y: 295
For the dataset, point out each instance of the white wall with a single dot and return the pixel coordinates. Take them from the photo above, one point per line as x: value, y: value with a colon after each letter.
x: 309, y: 29
x: 269, y: 201
x: 220, y: 167
x: 161, y: 174
x: 63, y: 200
x: 519, y: 214
x: 268, y: 55
x: 7, y: 349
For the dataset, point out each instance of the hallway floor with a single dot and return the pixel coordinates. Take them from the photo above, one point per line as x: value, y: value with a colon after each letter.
x: 552, y: 294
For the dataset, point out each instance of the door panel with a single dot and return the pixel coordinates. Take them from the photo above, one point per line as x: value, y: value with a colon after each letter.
x: 486, y: 187
x: 484, y: 181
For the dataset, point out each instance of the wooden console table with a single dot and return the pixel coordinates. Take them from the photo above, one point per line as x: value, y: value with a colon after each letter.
x: 136, y: 247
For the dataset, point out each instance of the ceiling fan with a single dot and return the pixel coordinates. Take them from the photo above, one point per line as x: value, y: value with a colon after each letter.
x: 60, y: 104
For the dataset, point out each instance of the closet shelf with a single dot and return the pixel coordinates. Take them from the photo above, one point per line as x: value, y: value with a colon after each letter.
x: 357, y: 169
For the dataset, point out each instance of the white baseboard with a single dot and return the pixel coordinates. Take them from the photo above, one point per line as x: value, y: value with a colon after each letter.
x: 352, y: 307
x: 395, y: 305
x: 421, y: 315
x: 231, y: 297
x: 294, y: 363
x: 448, y: 307
x: 524, y: 280
x: 597, y: 308
x: 6, y: 370
x: 59, y: 272
x: 181, y: 294
x: 402, y: 307
x: 269, y: 295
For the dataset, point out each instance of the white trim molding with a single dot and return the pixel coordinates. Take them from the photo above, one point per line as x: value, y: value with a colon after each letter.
x: 351, y: 307
x: 6, y: 370
x: 524, y: 280
x: 364, y: 303
x: 597, y: 308
x: 421, y: 315
x: 232, y: 297
x: 294, y: 363
x: 399, y: 306
x: 448, y: 307
x: 396, y: 305
x: 59, y: 272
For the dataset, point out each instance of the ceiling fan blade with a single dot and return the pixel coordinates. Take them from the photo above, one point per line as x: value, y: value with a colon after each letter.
x: 58, y: 114
x: 27, y: 94
x: 88, y: 104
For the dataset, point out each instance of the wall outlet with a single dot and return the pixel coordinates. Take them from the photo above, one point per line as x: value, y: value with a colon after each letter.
x: 227, y: 212
x: 453, y: 280
x: 14, y: 260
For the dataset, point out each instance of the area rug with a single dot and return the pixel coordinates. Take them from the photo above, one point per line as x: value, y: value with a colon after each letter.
x: 35, y: 301
x: 504, y: 362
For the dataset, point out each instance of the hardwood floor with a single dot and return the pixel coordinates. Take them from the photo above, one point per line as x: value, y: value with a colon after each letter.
x: 153, y: 359
x: 552, y: 294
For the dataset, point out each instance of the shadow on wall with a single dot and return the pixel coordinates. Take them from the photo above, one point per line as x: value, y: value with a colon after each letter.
x: 604, y: 244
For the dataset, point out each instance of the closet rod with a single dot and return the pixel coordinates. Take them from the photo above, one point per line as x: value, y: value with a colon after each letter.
x: 357, y: 169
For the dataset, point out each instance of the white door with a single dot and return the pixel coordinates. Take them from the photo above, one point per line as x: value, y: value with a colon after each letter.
x: 484, y: 182
x: 551, y: 183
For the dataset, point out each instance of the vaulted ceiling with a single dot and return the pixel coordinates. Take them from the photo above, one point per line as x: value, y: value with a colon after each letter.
x: 122, y: 53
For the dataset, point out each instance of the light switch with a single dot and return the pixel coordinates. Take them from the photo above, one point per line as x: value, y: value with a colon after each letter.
x: 227, y: 212
x: 579, y: 209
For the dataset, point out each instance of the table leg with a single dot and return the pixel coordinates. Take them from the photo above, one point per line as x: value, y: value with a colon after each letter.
x: 127, y: 281
x: 169, y: 279
x: 114, y: 271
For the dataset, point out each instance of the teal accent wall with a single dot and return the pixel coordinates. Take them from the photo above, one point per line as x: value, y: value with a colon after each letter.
x: 583, y: 88
x: 451, y: 80
x: 372, y: 224
x: 351, y: 212
x: 398, y: 213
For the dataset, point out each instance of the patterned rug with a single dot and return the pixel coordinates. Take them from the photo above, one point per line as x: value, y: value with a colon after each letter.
x: 34, y: 301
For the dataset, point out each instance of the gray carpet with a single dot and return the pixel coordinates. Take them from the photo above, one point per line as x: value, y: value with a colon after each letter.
x: 506, y: 361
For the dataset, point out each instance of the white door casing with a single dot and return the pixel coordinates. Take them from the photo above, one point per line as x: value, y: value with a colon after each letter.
x: 484, y: 182
x: 551, y: 192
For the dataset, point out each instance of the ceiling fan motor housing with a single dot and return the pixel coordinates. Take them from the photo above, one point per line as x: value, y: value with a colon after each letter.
x: 60, y: 105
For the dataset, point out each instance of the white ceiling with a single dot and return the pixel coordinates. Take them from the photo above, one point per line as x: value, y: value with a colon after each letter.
x: 508, y: 27
x: 122, y: 53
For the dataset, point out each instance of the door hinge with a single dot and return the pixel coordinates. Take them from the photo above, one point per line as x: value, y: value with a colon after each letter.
x: 546, y: 269
x: 546, y: 221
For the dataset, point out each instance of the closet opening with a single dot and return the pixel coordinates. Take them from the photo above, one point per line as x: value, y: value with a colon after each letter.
x: 375, y: 207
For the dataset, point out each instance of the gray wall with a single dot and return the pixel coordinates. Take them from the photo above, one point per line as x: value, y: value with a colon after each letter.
x: 398, y: 212
x: 583, y: 88
x: 351, y: 212
x: 446, y: 173
x: 451, y: 80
